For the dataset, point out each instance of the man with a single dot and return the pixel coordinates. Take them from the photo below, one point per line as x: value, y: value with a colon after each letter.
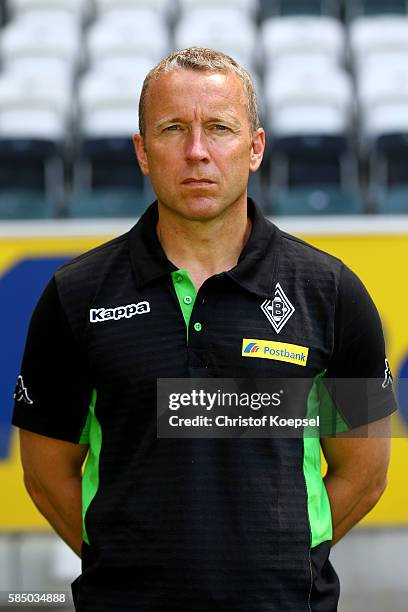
x: 196, y: 525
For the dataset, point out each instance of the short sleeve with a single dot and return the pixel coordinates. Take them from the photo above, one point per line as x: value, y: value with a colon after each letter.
x: 359, y: 356
x: 53, y: 390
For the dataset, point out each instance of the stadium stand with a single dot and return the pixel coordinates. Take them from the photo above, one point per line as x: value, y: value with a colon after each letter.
x: 165, y: 8
x: 126, y: 34
x: 312, y: 168
x: 302, y: 38
x: 30, y: 107
x: 379, y: 39
x: 41, y: 41
x: 383, y: 98
x: 308, y: 101
x: 314, y: 175
x: 33, y: 121
x: 247, y: 7
x: 2, y: 12
x: 330, y: 76
x: 74, y: 8
x: 379, y: 46
x: 389, y: 179
x: 38, y: 47
x: 106, y: 103
x: 32, y: 193
x: 354, y: 8
x: 107, y: 179
x: 206, y: 27
x: 273, y: 8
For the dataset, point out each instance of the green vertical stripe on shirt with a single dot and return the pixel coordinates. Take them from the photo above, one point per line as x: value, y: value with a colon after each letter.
x: 90, y: 479
x: 318, y: 505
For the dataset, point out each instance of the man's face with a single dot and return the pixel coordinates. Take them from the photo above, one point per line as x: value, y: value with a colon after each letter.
x: 198, y: 149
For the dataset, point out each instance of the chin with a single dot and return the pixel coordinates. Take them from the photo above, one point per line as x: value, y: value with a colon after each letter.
x: 201, y: 211
x: 197, y: 209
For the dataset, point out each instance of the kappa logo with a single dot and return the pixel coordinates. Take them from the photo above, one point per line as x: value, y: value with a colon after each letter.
x: 278, y: 310
x: 388, y: 380
x: 20, y: 392
x: 97, y: 315
x: 252, y: 347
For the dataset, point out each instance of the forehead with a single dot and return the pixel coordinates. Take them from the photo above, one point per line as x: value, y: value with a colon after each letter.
x: 188, y: 92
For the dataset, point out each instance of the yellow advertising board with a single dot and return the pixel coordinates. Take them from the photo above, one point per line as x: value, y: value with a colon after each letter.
x: 377, y: 259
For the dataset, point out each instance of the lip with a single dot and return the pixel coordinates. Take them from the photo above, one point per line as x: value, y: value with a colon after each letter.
x: 199, y: 181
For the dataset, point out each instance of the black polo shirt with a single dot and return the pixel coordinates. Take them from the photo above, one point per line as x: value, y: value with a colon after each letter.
x: 238, y: 525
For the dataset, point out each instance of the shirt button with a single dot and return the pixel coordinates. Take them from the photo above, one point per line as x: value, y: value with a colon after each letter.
x: 198, y: 326
x: 187, y: 299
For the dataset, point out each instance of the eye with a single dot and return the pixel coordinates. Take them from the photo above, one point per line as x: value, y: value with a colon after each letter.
x: 171, y: 128
x: 220, y: 128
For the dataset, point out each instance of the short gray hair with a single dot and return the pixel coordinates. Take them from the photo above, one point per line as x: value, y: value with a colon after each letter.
x: 204, y: 60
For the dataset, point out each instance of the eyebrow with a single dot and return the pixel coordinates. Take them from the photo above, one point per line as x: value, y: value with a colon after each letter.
x: 215, y: 119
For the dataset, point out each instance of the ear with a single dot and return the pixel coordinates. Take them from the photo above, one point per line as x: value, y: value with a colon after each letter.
x: 257, y: 149
x: 138, y: 143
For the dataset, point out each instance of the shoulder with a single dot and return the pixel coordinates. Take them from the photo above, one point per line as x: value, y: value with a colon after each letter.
x: 320, y: 267
x: 317, y: 271
x: 93, y: 259
x: 79, y: 281
x: 303, y: 253
x: 87, y: 271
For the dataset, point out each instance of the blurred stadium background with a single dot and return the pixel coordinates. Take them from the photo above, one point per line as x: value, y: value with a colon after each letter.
x: 332, y: 81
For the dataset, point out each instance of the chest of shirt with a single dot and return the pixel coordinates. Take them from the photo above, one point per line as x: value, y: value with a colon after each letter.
x: 223, y: 331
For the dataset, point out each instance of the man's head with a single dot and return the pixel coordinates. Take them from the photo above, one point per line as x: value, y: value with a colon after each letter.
x: 199, y: 135
x: 201, y: 60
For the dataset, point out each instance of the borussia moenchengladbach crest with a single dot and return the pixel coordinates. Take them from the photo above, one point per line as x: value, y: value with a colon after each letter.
x: 278, y: 310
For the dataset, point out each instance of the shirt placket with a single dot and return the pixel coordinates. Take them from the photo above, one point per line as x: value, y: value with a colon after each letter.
x: 193, y: 308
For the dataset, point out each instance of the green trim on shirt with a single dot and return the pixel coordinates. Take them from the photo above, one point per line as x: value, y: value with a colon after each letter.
x: 318, y: 505
x: 90, y: 479
x: 185, y: 291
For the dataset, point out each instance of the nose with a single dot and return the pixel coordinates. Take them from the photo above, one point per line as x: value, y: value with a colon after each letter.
x: 196, y: 145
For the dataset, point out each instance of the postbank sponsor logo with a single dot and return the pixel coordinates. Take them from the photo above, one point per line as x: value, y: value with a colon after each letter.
x: 278, y: 351
x: 251, y: 347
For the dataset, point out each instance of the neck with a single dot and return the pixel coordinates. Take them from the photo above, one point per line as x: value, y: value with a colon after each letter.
x: 204, y: 248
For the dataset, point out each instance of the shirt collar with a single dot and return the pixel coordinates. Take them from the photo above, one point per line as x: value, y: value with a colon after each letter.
x: 257, y: 265
x: 148, y: 259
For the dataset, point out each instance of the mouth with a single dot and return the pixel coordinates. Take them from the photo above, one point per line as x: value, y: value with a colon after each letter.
x: 198, y: 182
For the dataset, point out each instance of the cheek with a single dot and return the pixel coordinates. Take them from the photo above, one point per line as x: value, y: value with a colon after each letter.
x: 238, y: 159
x: 163, y: 172
x: 163, y: 163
